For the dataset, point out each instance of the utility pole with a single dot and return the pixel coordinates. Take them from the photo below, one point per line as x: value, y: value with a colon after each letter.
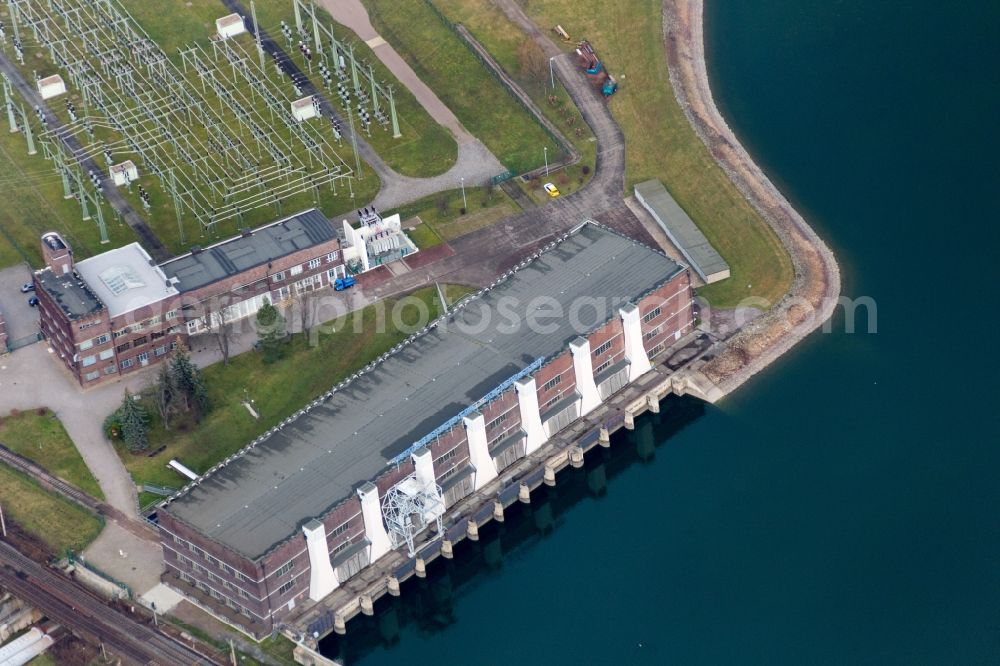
x: 3, y: 525
x: 545, y: 152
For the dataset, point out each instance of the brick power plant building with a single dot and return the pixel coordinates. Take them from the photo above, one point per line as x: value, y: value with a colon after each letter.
x: 117, y: 312
x: 376, y: 463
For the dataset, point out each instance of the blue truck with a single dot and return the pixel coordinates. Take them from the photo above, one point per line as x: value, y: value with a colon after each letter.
x: 342, y: 283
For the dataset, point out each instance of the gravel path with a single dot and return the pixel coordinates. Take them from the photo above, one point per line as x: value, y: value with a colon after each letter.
x: 816, y: 287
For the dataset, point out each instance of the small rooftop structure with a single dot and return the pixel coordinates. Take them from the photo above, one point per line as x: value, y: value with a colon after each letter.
x: 311, y: 462
x: 682, y: 231
x: 230, y: 26
x: 235, y: 255
x: 51, y: 86
x: 124, y: 173
x: 304, y: 109
x: 125, y: 279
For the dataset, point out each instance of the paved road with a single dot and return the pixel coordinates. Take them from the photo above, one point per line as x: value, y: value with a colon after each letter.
x: 146, y: 236
x: 481, y: 255
x: 74, y: 607
x: 31, y: 377
x: 475, y: 162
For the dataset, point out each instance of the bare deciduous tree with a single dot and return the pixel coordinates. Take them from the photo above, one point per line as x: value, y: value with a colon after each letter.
x: 164, y: 393
x: 304, y: 306
x: 534, y: 64
x: 217, y: 321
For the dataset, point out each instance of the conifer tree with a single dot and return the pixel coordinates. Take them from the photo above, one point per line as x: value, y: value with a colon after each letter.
x: 134, y: 423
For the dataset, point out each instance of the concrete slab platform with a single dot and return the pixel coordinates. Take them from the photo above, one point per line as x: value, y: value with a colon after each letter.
x: 162, y: 598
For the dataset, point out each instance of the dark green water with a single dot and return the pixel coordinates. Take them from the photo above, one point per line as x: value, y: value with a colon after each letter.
x: 844, y: 507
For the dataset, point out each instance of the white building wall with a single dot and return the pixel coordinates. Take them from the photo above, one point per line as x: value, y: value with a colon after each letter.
x: 635, y: 352
x: 479, y: 453
x: 583, y: 367
x: 322, y: 577
x: 371, y: 511
x: 531, y: 419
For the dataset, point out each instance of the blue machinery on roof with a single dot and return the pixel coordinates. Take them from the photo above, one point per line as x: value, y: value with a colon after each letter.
x: 450, y: 423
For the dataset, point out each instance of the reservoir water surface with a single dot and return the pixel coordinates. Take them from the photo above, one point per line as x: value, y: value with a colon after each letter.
x: 843, y: 506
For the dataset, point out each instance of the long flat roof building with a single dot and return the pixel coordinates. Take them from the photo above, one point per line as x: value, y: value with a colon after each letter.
x: 333, y: 488
x: 682, y: 231
x: 321, y: 457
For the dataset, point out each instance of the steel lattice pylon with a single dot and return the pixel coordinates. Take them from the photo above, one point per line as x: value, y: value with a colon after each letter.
x: 217, y: 131
x: 409, y: 508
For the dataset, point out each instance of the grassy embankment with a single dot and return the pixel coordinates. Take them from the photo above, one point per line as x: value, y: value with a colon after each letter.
x: 660, y: 143
x: 57, y: 522
x: 40, y: 436
x: 445, y: 63
x: 278, y: 389
x: 504, y: 40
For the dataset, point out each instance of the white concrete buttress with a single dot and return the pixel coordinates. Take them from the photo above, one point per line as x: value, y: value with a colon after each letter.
x: 531, y: 419
x: 583, y: 367
x: 479, y: 453
x: 322, y: 577
x: 635, y: 352
x: 423, y: 466
x: 371, y: 511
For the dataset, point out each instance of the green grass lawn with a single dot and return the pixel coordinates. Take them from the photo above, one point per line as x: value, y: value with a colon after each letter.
x: 33, y: 203
x: 660, y: 142
x: 423, y: 236
x: 502, y: 38
x: 442, y: 212
x: 40, y: 436
x: 277, y: 389
x: 59, y: 523
x: 445, y: 63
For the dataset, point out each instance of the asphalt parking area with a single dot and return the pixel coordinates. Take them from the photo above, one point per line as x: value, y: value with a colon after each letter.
x: 22, y: 319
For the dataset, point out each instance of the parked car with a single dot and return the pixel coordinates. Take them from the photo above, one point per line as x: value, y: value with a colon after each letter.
x: 551, y: 190
x: 33, y: 301
x: 26, y: 287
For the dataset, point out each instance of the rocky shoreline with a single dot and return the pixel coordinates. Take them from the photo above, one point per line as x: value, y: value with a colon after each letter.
x: 816, y: 286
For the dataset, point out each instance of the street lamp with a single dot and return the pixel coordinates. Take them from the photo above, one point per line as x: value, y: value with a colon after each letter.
x: 545, y: 152
x: 464, y: 204
x: 552, y: 75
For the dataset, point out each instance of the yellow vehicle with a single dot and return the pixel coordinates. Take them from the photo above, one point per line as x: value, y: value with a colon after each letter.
x: 551, y: 190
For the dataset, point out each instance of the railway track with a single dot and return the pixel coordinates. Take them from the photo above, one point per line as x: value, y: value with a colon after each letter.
x: 63, y: 601
x: 67, y: 490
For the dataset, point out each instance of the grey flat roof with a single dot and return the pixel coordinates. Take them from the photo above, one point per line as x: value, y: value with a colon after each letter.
x: 316, y: 460
x: 235, y: 255
x: 681, y: 228
x: 71, y: 293
x: 125, y: 279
